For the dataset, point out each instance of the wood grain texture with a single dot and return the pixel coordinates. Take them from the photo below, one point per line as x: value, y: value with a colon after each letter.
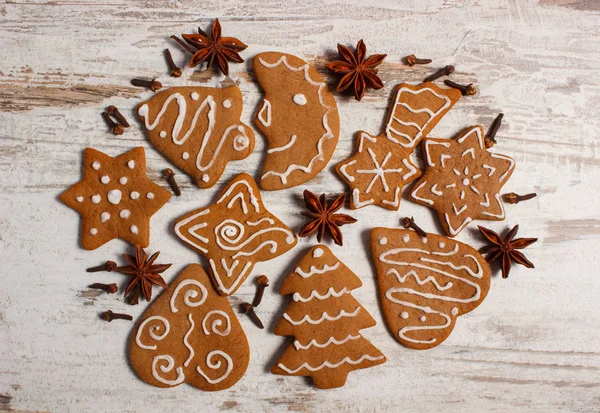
x: 533, y: 345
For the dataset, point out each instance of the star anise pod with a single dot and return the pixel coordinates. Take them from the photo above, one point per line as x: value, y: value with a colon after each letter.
x: 144, y: 273
x: 213, y: 49
x: 506, y: 249
x: 358, y: 71
x: 324, y: 217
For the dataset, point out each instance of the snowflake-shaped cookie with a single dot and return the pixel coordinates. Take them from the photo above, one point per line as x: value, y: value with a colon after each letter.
x: 377, y: 172
x: 463, y: 180
x: 115, y: 198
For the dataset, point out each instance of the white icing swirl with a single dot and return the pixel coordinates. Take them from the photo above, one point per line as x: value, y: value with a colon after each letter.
x: 153, y: 331
x: 217, y: 325
x: 189, y: 294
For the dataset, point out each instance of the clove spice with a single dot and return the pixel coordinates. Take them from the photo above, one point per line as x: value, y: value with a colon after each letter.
x: 410, y: 223
x: 444, y: 71
x: 108, y: 288
x: 490, y: 138
x: 513, y: 198
x: 107, y: 266
x: 170, y: 175
x: 174, y: 70
x: 153, y: 84
x: 466, y: 90
x: 263, y: 282
x: 115, y: 128
x: 110, y: 316
x: 247, y: 308
x: 114, y: 112
x: 412, y: 60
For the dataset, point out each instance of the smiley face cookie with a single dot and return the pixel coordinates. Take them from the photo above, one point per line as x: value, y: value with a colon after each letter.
x: 190, y: 335
x: 463, y: 180
x: 198, y: 129
x: 299, y: 117
x: 235, y: 233
x: 426, y: 283
x: 115, y: 198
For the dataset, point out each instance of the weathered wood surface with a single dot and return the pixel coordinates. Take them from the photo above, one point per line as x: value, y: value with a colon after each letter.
x: 533, y: 345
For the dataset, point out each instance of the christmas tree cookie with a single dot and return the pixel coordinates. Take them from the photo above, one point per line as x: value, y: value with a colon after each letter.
x: 463, y: 180
x: 325, y: 321
x: 425, y: 283
x: 381, y: 166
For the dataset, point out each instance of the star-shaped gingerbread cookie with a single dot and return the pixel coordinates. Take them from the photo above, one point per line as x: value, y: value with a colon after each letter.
x: 463, y: 180
x: 115, y: 198
x: 381, y: 166
x: 235, y: 233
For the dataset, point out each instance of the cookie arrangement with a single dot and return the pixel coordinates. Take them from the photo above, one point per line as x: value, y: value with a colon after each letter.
x: 189, y: 333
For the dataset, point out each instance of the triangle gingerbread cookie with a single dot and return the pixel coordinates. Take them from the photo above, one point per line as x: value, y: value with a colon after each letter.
x: 325, y: 320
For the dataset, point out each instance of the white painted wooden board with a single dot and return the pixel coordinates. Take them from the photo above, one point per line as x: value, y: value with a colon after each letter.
x: 534, y: 343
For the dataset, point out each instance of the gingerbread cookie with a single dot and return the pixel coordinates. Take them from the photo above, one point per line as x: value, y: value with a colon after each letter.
x: 234, y: 233
x: 115, y: 198
x: 298, y: 116
x: 381, y: 166
x: 190, y: 335
x: 201, y: 140
x: 463, y: 180
x: 326, y: 321
x: 426, y: 283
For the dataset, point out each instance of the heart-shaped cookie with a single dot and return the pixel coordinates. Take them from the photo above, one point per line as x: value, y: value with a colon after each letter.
x: 191, y: 335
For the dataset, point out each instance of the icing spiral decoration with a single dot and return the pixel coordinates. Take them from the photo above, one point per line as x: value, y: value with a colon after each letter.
x: 248, y: 235
x: 426, y: 283
x: 198, y: 129
x: 190, y: 334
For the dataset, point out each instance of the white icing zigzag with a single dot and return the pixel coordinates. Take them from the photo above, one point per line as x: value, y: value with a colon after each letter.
x: 328, y: 364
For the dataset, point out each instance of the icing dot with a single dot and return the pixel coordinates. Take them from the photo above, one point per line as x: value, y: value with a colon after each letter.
x: 134, y: 195
x: 93, y: 231
x: 205, y: 178
x: 241, y: 142
x: 289, y: 240
x: 96, y: 165
x: 123, y: 180
x: 466, y: 170
x: 227, y: 103
x: 133, y: 229
x: 105, y: 216
x: 185, y: 155
x: 454, y: 311
x: 442, y: 244
x: 465, y: 181
x: 79, y: 199
x: 422, y: 318
x: 105, y: 179
x: 382, y: 240
x: 299, y: 99
x: 162, y: 134
x: 131, y: 164
x: 114, y: 196
x: 424, y: 240
x: 318, y: 252
x: 405, y: 238
x: 125, y: 213
x: 404, y: 315
x: 195, y: 96
x: 150, y: 195
x: 96, y: 199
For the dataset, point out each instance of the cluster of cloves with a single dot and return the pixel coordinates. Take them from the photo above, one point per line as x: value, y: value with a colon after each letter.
x: 115, y: 120
x: 112, y: 288
x: 466, y: 90
x: 247, y: 308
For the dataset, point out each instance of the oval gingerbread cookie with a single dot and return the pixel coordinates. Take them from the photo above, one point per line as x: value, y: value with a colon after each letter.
x: 299, y: 117
x: 426, y: 283
x: 198, y: 129
x: 190, y: 335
